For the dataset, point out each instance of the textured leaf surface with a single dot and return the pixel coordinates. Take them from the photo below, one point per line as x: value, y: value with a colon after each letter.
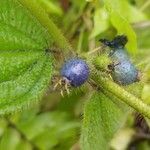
x: 25, y: 68
x: 102, y: 118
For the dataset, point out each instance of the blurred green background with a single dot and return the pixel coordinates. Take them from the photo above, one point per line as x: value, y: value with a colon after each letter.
x: 55, y: 123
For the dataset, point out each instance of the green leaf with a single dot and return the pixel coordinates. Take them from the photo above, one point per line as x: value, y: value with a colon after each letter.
x: 135, y: 15
x: 124, y: 8
x: 24, y: 145
x: 102, y: 118
x: 10, y: 139
x: 50, y: 7
x: 146, y: 93
x: 117, y: 10
x: 19, y: 29
x: 44, y: 19
x: 24, y: 65
x: 101, y: 22
x: 49, y: 129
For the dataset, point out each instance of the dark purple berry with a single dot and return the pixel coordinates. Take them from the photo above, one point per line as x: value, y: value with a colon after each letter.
x: 125, y: 73
x: 76, y: 71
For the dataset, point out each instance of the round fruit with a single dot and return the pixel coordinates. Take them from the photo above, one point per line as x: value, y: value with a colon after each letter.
x: 102, y: 61
x: 119, y: 54
x: 122, y: 69
x: 125, y: 73
x: 76, y: 71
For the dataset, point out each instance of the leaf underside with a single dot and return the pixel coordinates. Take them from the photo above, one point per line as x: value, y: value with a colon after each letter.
x: 25, y: 67
x: 102, y: 119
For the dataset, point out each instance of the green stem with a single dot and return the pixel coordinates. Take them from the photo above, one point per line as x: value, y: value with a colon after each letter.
x: 122, y: 94
x: 62, y: 43
x: 50, y: 7
x: 46, y: 22
x: 145, y: 5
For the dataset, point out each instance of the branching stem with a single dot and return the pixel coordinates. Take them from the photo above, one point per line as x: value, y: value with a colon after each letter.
x: 122, y: 94
x: 101, y: 81
x: 46, y: 22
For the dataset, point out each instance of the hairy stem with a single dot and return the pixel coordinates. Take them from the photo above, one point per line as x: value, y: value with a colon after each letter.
x: 63, y: 44
x: 44, y: 19
x: 122, y: 94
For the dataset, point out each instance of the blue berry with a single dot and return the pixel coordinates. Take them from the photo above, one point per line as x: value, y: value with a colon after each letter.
x: 76, y: 71
x: 119, y: 54
x: 125, y: 73
x: 122, y: 69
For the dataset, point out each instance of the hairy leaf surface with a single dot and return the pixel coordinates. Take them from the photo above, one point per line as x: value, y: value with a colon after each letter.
x: 25, y: 67
x: 102, y: 119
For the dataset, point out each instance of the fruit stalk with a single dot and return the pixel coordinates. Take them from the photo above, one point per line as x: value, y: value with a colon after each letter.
x: 46, y: 22
x: 122, y: 94
x: 101, y: 81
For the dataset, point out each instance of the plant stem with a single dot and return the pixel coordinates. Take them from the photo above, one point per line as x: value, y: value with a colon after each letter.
x: 122, y: 94
x: 50, y: 7
x: 145, y: 5
x: 63, y: 44
x: 46, y: 22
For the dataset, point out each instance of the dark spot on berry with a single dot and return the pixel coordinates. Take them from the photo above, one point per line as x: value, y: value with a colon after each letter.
x: 111, y: 67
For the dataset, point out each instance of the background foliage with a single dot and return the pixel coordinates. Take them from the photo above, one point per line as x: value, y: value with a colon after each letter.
x: 57, y: 123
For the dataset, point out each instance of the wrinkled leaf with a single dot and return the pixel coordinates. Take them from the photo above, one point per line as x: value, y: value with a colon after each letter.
x: 25, y: 67
x: 102, y: 118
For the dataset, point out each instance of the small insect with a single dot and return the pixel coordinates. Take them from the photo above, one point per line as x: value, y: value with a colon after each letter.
x: 74, y: 73
x: 122, y: 69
